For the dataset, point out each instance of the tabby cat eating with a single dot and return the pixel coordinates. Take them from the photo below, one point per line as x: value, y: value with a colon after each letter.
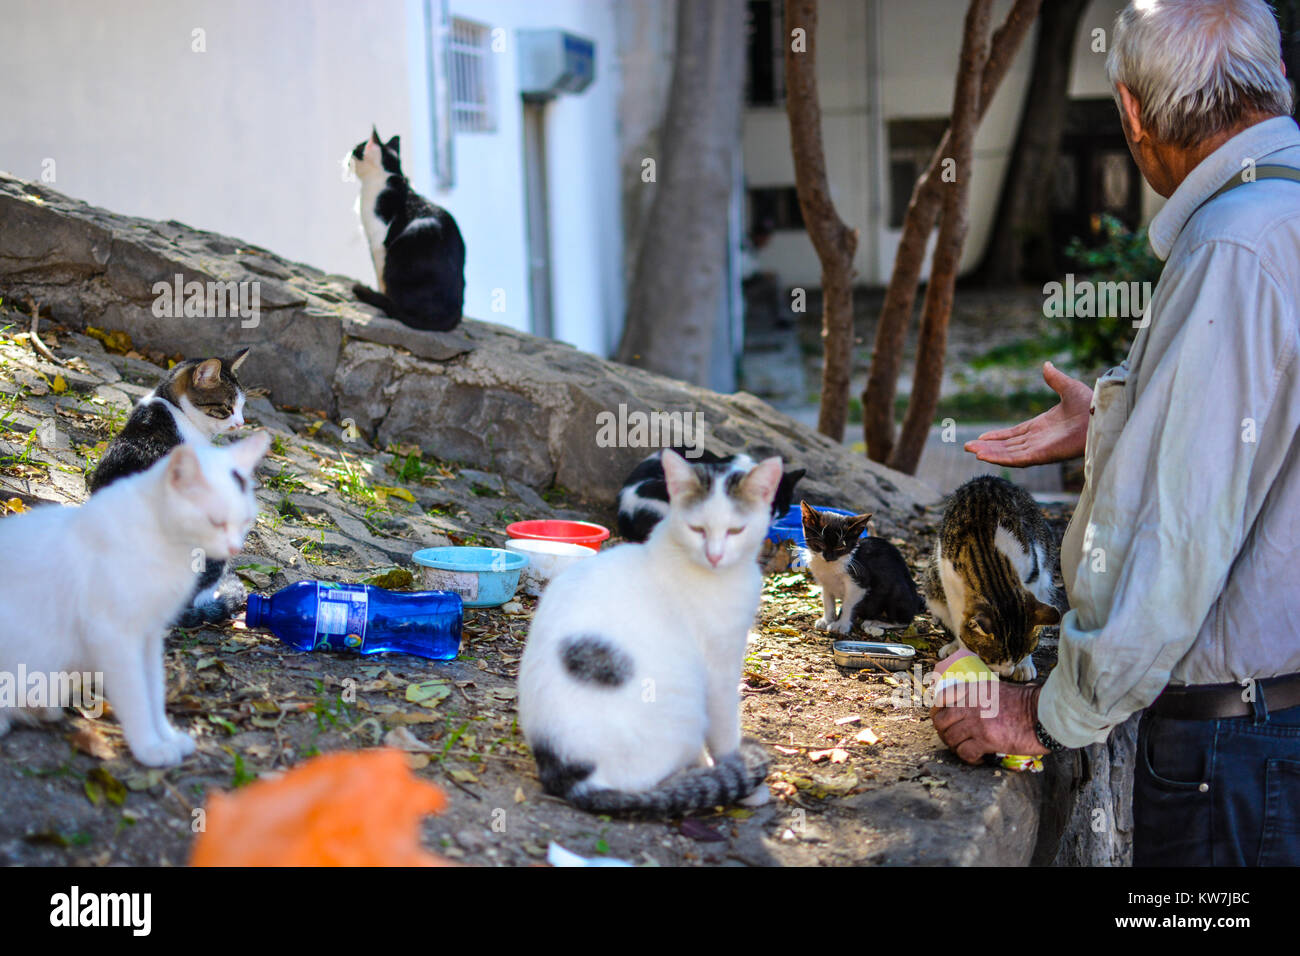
x: 990, y: 582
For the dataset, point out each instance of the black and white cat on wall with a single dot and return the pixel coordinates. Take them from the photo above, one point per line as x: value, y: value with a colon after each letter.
x: 417, y: 248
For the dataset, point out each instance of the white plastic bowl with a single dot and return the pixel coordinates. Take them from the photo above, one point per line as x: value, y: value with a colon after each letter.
x: 546, y: 559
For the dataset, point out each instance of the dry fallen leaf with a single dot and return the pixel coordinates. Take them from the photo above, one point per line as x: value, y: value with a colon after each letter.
x: 402, y: 739
x: 835, y: 754
x: 90, y: 740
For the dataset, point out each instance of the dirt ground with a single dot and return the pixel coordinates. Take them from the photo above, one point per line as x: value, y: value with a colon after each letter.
x: 339, y: 510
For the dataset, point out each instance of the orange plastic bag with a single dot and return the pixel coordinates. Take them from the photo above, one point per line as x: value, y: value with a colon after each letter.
x: 350, y: 808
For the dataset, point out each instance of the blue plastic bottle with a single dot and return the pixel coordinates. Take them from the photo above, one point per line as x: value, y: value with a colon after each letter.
x: 311, y: 615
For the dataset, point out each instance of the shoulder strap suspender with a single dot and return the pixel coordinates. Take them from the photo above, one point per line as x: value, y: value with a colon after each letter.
x: 1255, y: 174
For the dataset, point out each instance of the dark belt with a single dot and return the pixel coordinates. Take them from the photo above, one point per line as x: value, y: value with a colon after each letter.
x: 1217, y: 701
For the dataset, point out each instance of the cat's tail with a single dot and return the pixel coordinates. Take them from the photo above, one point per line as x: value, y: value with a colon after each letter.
x: 216, y: 607
x: 440, y: 320
x: 735, y: 776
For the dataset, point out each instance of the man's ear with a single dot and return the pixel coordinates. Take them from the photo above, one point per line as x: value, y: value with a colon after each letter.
x: 1130, y: 111
x: 678, y: 475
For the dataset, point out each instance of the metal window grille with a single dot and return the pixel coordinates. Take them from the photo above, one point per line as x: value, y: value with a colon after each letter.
x: 473, y: 88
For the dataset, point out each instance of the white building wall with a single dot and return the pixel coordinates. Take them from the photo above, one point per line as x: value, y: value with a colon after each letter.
x: 918, y: 46
x: 247, y: 137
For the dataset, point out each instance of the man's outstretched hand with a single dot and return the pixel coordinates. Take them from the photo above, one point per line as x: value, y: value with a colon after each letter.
x: 1058, y: 434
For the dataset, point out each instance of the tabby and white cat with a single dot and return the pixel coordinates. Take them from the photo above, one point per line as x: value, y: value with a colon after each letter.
x: 867, y: 575
x: 199, y: 398
x: 991, y: 580
x: 417, y: 248
x: 643, y: 499
x: 628, y: 683
x: 92, y: 588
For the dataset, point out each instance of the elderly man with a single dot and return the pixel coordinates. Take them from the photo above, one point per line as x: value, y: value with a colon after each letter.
x: 1182, y: 561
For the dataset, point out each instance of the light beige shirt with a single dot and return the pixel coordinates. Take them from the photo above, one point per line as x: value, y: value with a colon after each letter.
x: 1182, y: 561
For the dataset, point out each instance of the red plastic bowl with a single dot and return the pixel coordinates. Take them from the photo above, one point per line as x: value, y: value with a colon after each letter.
x: 570, y: 532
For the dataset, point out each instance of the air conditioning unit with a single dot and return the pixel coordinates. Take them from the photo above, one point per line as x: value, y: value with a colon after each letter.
x: 552, y: 62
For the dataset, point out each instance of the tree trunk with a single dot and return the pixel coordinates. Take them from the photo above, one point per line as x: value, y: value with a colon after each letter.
x: 680, y: 277
x: 834, y: 241
x: 922, y: 213
x: 952, y: 236
x: 1021, y: 244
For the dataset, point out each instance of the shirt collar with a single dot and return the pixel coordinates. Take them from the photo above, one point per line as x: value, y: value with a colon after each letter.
x: 1212, y: 172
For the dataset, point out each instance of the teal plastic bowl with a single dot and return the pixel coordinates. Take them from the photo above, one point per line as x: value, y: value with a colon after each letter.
x: 483, y: 577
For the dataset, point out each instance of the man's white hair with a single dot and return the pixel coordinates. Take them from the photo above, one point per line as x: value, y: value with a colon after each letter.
x: 1198, y: 67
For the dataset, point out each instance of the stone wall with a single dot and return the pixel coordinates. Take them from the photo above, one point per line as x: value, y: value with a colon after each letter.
x: 482, y: 394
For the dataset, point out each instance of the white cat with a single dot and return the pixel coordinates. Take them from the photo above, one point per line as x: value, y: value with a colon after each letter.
x: 632, y: 663
x: 92, y: 588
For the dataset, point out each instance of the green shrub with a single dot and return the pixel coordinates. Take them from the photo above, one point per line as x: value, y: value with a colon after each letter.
x: 1097, y: 341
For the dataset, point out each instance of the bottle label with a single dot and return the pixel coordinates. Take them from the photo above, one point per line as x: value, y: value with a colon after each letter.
x: 464, y: 583
x: 341, y: 616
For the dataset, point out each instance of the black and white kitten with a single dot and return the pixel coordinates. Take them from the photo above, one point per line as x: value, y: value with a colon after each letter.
x: 200, y: 398
x: 417, y: 248
x: 643, y: 499
x: 868, y: 575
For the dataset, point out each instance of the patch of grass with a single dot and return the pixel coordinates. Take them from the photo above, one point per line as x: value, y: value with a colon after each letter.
x: 284, y: 481
x: 240, y: 777
x: 278, y: 446
x: 1021, y: 353
x: 410, y: 469
x: 555, y: 494
x: 313, y: 551
x: 331, y: 712
x: 21, y: 458
x: 350, y: 480
x: 508, y: 515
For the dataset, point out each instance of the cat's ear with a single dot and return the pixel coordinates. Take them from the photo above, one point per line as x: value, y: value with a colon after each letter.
x: 207, y: 373
x: 238, y: 360
x: 761, y: 482
x: 1041, y: 614
x: 374, y: 136
x: 248, y: 452
x: 678, y: 475
x: 184, y: 473
x: 812, y: 518
x: 792, y: 478
x: 857, y: 525
x: 395, y: 144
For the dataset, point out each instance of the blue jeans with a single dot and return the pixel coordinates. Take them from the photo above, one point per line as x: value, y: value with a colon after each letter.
x: 1218, y: 792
